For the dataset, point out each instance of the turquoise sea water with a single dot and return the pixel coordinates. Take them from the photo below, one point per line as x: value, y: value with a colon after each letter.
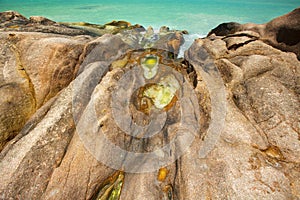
x: 196, y: 16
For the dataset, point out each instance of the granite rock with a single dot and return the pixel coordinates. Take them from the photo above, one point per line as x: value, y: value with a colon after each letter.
x: 282, y: 32
x: 233, y: 126
x: 14, y: 21
x: 34, y: 68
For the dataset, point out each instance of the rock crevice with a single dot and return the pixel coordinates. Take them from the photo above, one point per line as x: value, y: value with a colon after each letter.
x: 119, y: 116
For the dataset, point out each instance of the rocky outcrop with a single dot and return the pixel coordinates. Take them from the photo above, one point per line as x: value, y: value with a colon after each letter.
x: 34, y: 68
x: 14, y: 21
x: 120, y: 117
x: 282, y: 32
x: 257, y: 154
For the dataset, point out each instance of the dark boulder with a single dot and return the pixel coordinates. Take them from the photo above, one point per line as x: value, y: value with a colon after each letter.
x: 225, y: 29
x: 282, y: 32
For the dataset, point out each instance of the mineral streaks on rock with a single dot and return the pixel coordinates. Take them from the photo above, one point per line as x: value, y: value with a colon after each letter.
x: 79, y: 170
x: 27, y: 164
x: 117, y: 110
x: 261, y: 87
x: 162, y: 125
x: 34, y: 68
x: 204, y: 65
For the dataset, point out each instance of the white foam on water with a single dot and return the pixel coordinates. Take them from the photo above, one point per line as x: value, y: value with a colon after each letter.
x: 189, y: 39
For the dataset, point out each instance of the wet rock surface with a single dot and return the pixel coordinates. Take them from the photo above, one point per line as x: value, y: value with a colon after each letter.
x: 120, y: 117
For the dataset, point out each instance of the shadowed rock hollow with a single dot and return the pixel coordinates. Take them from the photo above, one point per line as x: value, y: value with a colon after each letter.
x: 120, y: 117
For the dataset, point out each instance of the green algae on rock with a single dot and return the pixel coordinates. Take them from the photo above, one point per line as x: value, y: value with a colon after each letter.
x: 112, y: 187
x: 162, y: 93
x: 150, y: 66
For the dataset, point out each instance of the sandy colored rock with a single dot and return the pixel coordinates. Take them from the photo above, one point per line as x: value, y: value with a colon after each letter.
x: 27, y: 164
x: 68, y: 174
x: 75, y: 119
x: 263, y: 88
x: 34, y: 68
x: 41, y: 20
